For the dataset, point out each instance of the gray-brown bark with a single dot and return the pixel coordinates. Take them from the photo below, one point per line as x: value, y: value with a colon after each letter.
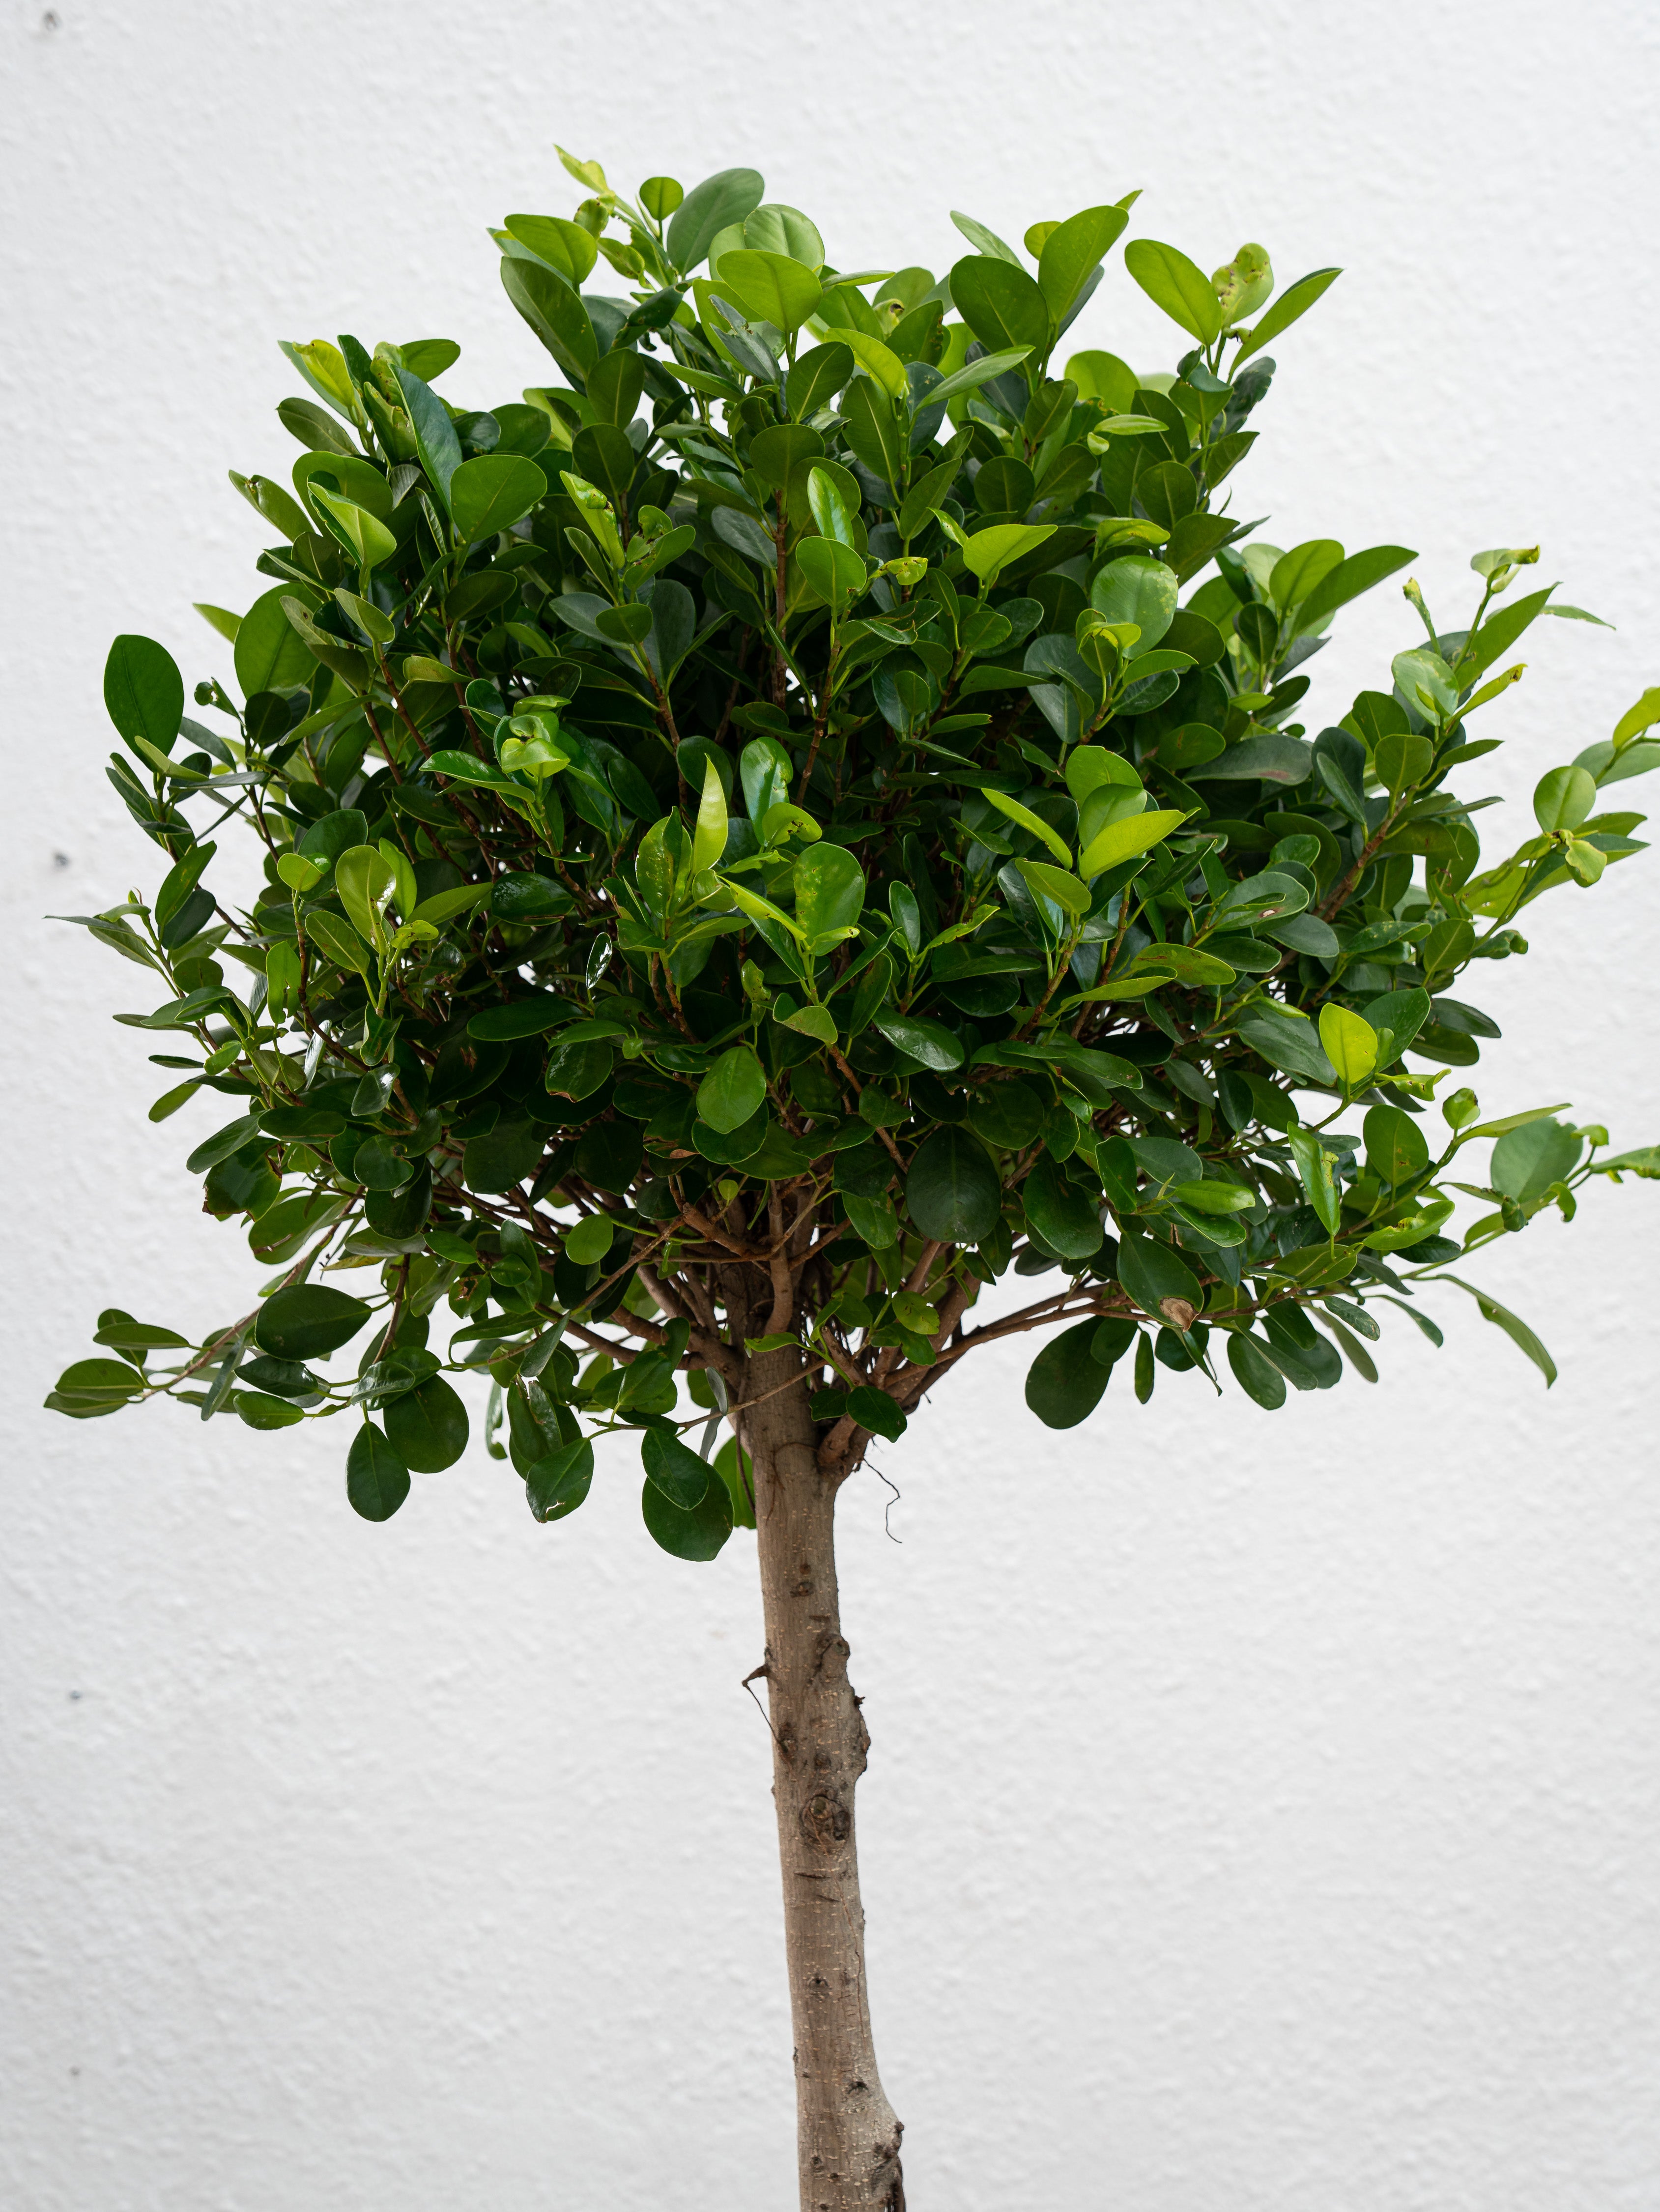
x: 847, y: 2133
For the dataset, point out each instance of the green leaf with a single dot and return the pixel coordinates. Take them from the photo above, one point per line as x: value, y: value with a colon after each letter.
x: 1645, y: 1165
x: 1527, y: 1160
x: 1254, y: 1372
x: 696, y: 1535
x: 678, y: 1473
x: 554, y: 313
x: 493, y: 491
x: 269, y: 653
x: 557, y: 1484
x: 363, y: 535
x: 1136, y: 588
x: 770, y: 288
x: 339, y: 943
x: 1028, y: 821
x: 709, y: 839
x: 308, y: 1321
x: 952, y: 1191
x: 427, y: 1427
x: 707, y: 209
x: 588, y: 1241
x: 1396, y: 1148
x: 565, y: 245
x: 1174, y: 283
x: 1358, y: 573
x: 1350, y: 1043
x: 443, y: 906
x: 1514, y: 1327
x: 835, y: 571
x: 829, y: 887
x: 96, y: 1386
x: 1058, y: 886
x: 364, y: 878
x: 1072, y: 250
x: 1123, y: 841
x: 1296, y: 300
x: 143, y: 691
x: 220, y: 1147
x: 436, y: 442
x: 734, y: 1089
x: 1065, y: 1382
x: 875, y: 1409
x: 1160, y: 1282
x: 930, y: 1042
x: 1060, y: 1211
x: 817, y: 376
x: 1316, y: 1169
x: 988, y: 552
x: 377, y: 1480
x: 1563, y: 799
x: 260, y: 1412
x: 1001, y: 304
x: 972, y: 375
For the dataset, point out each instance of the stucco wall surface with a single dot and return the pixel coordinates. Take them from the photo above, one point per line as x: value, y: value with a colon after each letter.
x: 1263, y: 1812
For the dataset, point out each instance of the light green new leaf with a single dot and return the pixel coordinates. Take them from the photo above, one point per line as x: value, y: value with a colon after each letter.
x: 365, y: 537
x: 1136, y: 588
x: 835, y: 571
x: 709, y: 839
x: 565, y: 246
x: 828, y: 508
x: 1563, y: 799
x: 1296, y: 300
x: 988, y: 552
x: 1056, y: 884
x: 771, y: 288
x: 1071, y: 250
x: 829, y: 886
x: 365, y: 880
x: 880, y: 360
x: 1350, y: 1043
x: 1027, y: 820
x: 1123, y: 841
x: 342, y: 946
x: 1178, y: 285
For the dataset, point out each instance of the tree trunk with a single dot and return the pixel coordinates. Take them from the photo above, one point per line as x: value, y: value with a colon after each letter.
x: 847, y: 2134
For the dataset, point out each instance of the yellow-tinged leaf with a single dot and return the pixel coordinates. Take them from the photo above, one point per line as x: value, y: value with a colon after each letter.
x: 1350, y: 1043
x: 1034, y: 823
x: 1123, y: 841
x: 709, y: 840
x: 882, y: 362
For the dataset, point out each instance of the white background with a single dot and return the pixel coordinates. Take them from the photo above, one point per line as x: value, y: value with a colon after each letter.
x: 1263, y: 1809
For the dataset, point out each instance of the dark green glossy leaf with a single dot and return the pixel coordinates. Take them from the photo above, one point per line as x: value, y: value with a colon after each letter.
x: 143, y: 691
x: 427, y: 1427
x: 377, y: 1480
x: 308, y: 1321
x: 698, y: 1535
x: 1065, y: 1382
x: 952, y: 1191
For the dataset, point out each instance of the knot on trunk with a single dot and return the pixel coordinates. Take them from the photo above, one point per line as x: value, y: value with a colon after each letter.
x: 834, y: 1654
x: 825, y: 1820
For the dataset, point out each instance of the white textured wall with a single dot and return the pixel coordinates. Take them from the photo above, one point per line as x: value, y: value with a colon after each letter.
x: 1263, y: 1810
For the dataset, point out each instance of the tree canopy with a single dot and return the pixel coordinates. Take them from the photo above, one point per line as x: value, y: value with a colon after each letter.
x: 799, y: 846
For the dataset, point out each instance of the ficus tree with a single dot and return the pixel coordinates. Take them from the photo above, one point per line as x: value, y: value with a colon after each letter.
x: 793, y: 853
